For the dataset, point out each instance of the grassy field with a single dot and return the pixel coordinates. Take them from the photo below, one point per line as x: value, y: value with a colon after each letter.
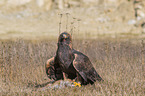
x: 115, y: 47
x: 119, y: 62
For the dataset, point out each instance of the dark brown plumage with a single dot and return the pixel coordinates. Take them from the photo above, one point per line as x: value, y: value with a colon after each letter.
x: 53, y: 70
x: 72, y: 64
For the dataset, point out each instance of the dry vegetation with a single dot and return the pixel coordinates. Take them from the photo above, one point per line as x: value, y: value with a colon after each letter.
x: 120, y: 63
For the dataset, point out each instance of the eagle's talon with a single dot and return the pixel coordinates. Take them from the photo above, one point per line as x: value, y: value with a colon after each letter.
x: 76, y: 84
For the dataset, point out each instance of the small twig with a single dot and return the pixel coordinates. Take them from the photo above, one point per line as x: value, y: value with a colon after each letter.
x: 79, y: 25
x: 71, y: 31
x: 67, y: 15
x: 60, y: 23
x: 73, y: 27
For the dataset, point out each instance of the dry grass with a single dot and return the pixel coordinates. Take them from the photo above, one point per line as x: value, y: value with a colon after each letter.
x: 120, y: 63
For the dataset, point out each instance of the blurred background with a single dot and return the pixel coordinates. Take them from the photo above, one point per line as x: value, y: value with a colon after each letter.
x: 43, y: 19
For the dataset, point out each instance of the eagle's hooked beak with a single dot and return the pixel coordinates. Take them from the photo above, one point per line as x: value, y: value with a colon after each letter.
x: 64, y: 36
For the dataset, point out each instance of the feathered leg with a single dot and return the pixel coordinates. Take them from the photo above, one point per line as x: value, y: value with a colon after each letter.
x: 64, y: 76
x: 78, y: 80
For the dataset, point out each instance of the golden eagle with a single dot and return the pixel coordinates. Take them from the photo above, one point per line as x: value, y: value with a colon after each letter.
x: 70, y: 63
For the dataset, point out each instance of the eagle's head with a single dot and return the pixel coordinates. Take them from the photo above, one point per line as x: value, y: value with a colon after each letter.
x: 65, y: 38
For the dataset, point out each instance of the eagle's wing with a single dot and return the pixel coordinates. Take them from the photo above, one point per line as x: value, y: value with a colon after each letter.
x: 52, y: 70
x: 49, y: 66
x: 85, y: 68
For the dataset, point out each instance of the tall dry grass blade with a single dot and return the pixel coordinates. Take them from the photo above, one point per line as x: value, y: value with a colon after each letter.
x: 67, y: 18
x: 60, y: 23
